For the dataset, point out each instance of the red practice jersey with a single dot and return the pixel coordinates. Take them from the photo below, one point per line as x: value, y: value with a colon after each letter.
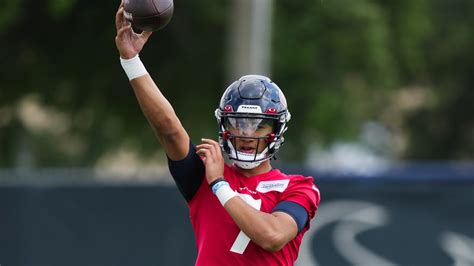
x: 220, y: 241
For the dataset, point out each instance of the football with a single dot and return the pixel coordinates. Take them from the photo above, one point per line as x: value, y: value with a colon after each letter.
x: 148, y: 15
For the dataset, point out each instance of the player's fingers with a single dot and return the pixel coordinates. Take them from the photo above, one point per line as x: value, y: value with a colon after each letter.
x: 207, y: 151
x: 202, y: 147
x: 123, y: 30
x: 213, y: 145
x: 126, y: 22
x: 215, y: 149
x: 146, y: 34
x: 207, y: 147
x: 119, y: 18
x: 205, y: 154
x: 216, y: 145
x: 123, y: 19
x: 210, y: 141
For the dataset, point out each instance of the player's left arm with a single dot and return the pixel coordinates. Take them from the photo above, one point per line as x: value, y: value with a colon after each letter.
x: 271, y: 231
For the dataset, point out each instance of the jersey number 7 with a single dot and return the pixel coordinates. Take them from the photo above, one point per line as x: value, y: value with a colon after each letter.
x: 242, y: 240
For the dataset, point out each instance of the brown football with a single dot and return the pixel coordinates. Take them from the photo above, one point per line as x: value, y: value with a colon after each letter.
x: 148, y: 15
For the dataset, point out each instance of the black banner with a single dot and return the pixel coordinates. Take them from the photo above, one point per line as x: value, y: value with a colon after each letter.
x: 369, y: 222
x: 94, y: 224
x: 359, y: 222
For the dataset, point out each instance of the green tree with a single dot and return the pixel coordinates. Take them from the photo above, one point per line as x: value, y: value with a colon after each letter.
x: 65, y: 100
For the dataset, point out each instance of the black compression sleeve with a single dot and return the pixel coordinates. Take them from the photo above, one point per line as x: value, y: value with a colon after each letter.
x: 295, y: 210
x: 188, y: 173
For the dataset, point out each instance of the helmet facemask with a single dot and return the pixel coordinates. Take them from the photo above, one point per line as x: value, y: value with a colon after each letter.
x: 250, y: 140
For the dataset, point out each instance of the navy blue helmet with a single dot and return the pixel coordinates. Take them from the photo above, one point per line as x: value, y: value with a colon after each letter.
x: 247, y: 103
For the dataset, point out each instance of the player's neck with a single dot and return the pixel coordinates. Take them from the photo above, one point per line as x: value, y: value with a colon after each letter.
x: 264, y: 167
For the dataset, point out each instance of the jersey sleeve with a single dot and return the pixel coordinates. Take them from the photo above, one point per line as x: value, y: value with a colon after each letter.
x: 298, y: 212
x: 188, y: 173
x: 301, y: 190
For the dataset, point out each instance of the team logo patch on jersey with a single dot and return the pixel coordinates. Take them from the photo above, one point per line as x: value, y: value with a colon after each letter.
x: 275, y: 185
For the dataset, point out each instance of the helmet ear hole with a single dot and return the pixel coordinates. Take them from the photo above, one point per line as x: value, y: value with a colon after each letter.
x: 225, y: 135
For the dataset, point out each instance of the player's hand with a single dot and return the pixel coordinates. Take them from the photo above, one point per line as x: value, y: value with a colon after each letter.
x: 128, y: 42
x: 210, y: 153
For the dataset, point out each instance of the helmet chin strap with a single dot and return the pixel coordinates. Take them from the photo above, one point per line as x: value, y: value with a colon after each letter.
x: 247, y: 165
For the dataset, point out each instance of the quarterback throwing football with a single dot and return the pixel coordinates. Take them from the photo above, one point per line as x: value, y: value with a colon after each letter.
x: 246, y: 213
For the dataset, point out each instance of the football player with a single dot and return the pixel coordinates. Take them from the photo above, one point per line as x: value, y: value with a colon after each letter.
x: 245, y: 213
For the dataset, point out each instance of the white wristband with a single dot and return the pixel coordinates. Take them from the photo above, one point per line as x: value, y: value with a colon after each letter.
x: 225, y: 193
x: 133, y: 67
